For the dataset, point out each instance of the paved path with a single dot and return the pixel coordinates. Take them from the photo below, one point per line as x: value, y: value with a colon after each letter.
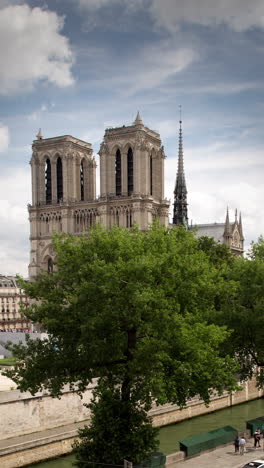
x: 224, y: 457
x: 56, y: 431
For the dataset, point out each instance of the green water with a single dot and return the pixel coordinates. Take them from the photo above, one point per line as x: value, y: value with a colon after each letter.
x: 170, y: 435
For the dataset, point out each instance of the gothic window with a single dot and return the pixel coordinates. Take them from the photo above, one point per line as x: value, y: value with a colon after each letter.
x: 48, y: 181
x: 151, y: 175
x: 82, y: 181
x: 50, y: 265
x: 130, y: 181
x: 59, y: 180
x: 118, y: 172
x: 129, y: 221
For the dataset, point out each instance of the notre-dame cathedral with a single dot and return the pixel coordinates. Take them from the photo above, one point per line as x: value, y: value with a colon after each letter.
x: 131, y: 189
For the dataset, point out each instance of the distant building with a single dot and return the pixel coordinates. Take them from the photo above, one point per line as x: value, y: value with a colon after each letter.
x: 11, y: 297
x: 227, y: 233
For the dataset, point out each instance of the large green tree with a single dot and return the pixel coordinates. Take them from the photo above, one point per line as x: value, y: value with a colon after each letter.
x: 128, y: 308
x: 244, y: 313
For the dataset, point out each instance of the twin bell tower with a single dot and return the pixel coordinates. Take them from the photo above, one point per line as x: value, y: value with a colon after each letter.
x: 64, y: 186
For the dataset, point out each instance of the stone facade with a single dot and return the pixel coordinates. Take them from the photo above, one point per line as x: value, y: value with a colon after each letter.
x: 64, y: 190
x: 230, y: 234
x: 11, y: 297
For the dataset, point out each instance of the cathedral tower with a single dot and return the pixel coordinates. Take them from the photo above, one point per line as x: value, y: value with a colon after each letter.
x: 180, y: 210
x: 63, y: 184
x: 132, y: 177
x: 64, y: 193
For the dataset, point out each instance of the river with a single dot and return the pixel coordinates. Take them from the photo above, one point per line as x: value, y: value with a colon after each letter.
x: 170, y: 435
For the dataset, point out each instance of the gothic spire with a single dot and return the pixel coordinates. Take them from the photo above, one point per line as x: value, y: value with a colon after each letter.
x: 227, y: 231
x: 138, y: 120
x: 240, y: 226
x: 180, y: 211
x: 39, y: 135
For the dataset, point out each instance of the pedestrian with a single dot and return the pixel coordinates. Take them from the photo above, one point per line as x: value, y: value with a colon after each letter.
x: 236, y: 444
x: 258, y: 436
x: 242, y: 443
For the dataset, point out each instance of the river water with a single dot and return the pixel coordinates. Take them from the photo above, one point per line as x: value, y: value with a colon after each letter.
x: 170, y: 435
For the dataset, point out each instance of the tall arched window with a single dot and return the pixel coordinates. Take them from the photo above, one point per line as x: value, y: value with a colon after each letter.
x: 82, y: 181
x: 118, y: 173
x: 50, y: 265
x: 59, y: 180
x: 151, y: 175
x: 48, y: 181
x: 130, y: 180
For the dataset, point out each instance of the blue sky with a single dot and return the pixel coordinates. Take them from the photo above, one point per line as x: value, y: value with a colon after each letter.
x: 78, y: 66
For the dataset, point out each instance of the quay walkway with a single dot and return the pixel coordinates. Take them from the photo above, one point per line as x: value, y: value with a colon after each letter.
x: 24, y: 447
x: 224, y: 457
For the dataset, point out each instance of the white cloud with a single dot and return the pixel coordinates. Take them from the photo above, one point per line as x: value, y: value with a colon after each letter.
x: 14, y: 225
x: 151, y: 67
x: 97, y: 4
x: 32, y: 48
x: 239, y: 15
x: 4, y: 138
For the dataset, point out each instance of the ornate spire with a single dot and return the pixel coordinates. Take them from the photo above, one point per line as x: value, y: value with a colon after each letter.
x: 180, y: 211
x: 240, y: 226
x: 138, y: 120
x: 227, y: 231
x: 39, y: 135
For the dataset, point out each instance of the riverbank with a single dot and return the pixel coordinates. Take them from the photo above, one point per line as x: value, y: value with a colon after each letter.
x: 19, y: 451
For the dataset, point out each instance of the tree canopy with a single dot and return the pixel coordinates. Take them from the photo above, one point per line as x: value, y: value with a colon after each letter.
x: 131, y: 309
x: 244, y: 313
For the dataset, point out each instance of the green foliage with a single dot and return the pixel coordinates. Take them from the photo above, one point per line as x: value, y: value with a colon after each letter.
x: 244, y: 313
x: 130, y: 308
x: 257, y: 249
x: 119, y: 430
x: 219, y: 254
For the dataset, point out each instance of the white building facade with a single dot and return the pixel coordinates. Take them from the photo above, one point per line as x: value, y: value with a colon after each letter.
x: 11, y: 298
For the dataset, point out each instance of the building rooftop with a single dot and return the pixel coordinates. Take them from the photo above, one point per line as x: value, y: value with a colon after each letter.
x: 8, y: 282
x: 60, y: 139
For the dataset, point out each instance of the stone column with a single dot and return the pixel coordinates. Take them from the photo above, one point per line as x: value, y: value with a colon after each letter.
x: 34, y: 177
x: 110, y: 174
x: 41, y: 184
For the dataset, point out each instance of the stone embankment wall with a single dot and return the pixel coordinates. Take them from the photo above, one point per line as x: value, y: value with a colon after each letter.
x: 22, y: 413
x: 169, y: 414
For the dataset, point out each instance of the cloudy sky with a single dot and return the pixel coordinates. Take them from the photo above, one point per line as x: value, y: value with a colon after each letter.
x: 78, y: 66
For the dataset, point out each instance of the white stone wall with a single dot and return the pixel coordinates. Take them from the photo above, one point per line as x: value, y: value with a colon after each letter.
x: 22, y: 413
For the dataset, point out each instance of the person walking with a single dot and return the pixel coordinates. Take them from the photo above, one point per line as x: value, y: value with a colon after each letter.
x: 257, y: 438
x: 236, y: 444
x: 242, y: 444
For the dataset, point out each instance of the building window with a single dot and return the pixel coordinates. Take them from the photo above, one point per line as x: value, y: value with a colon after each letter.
x: 82, y: 181
x: 59, y: 180
x: 129, y: 220
x: 130, y: 181
x: 50, y: 265
x: 151, y: 174
x: 118, y: 172
x: 48, y: 181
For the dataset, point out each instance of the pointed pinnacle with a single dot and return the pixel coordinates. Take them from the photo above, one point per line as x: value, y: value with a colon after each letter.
x: 227, y: 223
x: 39, y: 135
x: 138, y: 120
